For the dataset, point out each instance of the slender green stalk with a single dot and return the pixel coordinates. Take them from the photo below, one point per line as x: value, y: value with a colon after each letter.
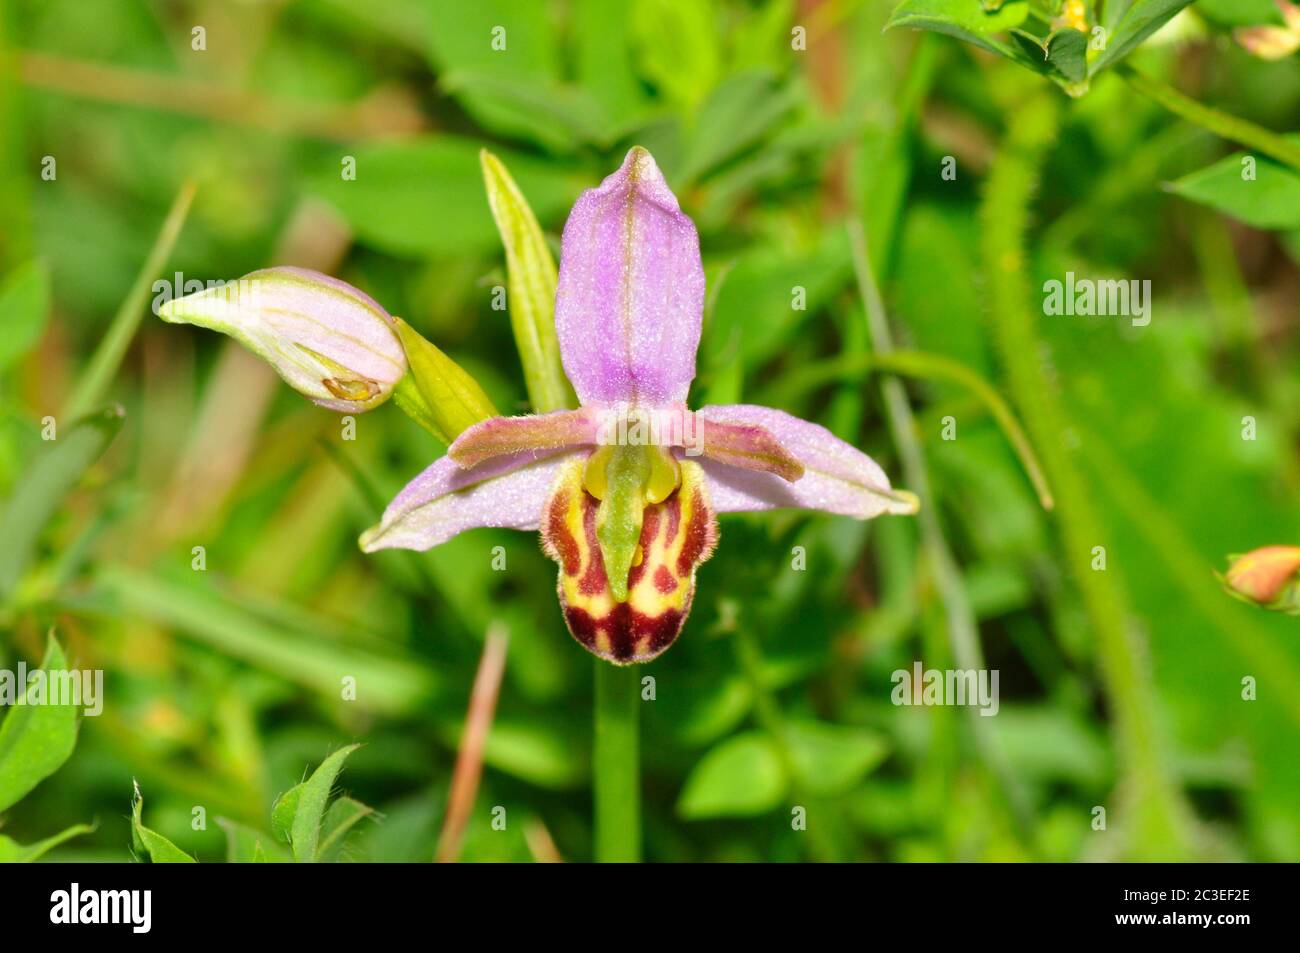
x: 1158, y: 819
x: 617, y: 764
x: 932, y: 367
x: 531, y: 277
x: 112, y: 347
x: 963, y: 630
x: 1223, y: 124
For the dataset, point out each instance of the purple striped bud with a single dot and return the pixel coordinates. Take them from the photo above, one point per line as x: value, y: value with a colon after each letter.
x: 329, y: 341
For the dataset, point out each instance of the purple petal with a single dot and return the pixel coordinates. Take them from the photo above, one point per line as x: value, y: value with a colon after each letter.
x: 631, y: 290
x: 446, y: 499
x: 838, y: 478
x: 540, y: 434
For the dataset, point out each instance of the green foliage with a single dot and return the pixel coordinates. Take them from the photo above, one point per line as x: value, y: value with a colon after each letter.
x: 11, y: 852
x: 36, y: 737
x: 299, y: 812
x: 967, y: 21
x: 425, y: 196
x: 43, y: 487
x: 150, y: 843
x: 531, y: 277
x: 740, y: 777
x: 1066, y: 54
x: 1254, y: 190
x: 200, y: 545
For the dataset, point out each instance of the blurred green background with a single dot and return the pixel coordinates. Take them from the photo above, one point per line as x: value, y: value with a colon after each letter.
x: 223, y: 684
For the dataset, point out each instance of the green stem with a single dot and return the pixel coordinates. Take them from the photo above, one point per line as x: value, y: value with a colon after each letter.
x: 617, y: 764
x: 112, y: 347
x: 962, y: 628
x: 1221, y: 124
x: 1154, y: 807
x: 924, y: 366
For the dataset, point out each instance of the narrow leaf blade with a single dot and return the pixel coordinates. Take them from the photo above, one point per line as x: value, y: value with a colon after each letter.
x: 531, y: 281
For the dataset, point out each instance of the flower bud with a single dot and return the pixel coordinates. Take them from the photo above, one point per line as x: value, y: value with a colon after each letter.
x: 329, y: 341
x: 1268, y: 42
x: 1268, y: 577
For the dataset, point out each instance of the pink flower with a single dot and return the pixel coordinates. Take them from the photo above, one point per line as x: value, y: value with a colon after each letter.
x: 625, y: 489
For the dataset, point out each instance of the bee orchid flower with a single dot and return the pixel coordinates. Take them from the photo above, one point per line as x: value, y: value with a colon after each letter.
x: 625, y: 490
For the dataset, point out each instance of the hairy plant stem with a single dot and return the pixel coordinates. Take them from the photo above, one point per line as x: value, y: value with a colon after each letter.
x: 1159, y: 822
x: 616, y: 764
x: 1223, y: 124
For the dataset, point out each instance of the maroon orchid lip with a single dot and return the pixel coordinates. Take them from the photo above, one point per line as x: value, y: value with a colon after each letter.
x: 628, y: 313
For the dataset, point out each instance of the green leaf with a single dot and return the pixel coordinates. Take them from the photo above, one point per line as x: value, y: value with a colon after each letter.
x: 158, y: 848
x: 741, y: 777
x: 1062, y: 55
x: 35, y: 739
x: 283, y: 812
x: 531, y: 281
x: 963, y: 19
x: 245, y: 845
x: 514, y: 43
x: 47, y: 481
x: 210, y: 615
x: 313, y: 795
x: 555, y: 114
x: 1128, y: 23
x: 420, y: 197
x: 447, y: 399
x: 737, y: 115
x: 1270, y: 200
x: 754, y: 312
x: 11, y: 852
x: 344, y: 814
x: 24, y: 308
x: 833, y: 759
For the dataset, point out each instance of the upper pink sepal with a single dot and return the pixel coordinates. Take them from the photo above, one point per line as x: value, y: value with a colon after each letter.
x: 631, y: 290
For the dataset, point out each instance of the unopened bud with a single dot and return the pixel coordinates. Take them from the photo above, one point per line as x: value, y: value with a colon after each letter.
x: 329, y: 341
x: 1268, y: 577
